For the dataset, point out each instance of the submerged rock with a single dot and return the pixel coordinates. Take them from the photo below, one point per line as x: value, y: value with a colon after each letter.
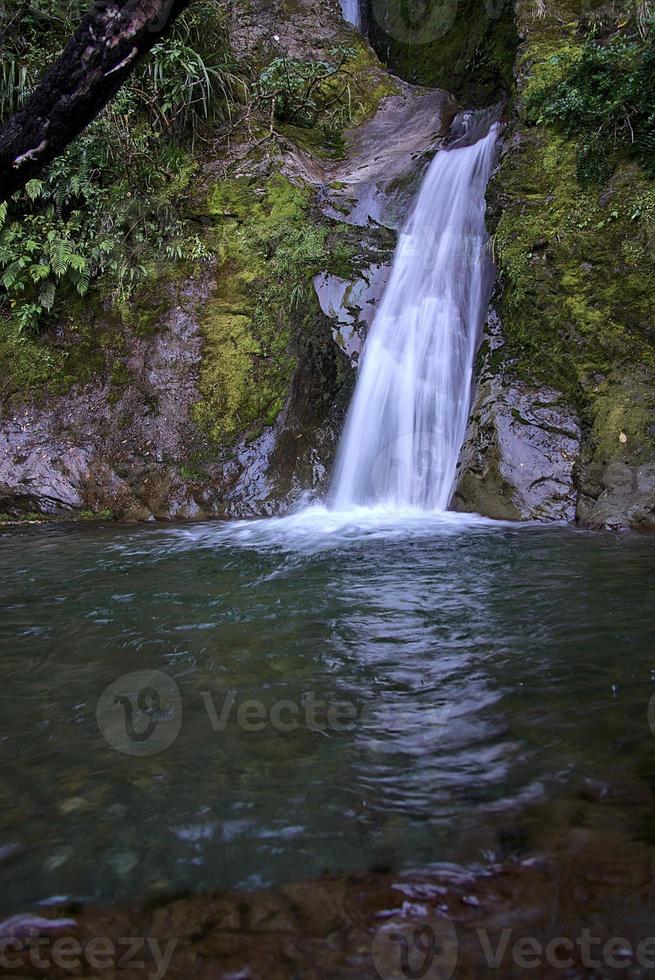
x: 566, y: 903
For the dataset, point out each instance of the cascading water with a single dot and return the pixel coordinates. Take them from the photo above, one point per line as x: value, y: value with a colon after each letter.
x: 352, y: 13
x: 408, y: 416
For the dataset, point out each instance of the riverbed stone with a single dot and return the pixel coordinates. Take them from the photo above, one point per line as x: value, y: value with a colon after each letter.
x: 591, y: 876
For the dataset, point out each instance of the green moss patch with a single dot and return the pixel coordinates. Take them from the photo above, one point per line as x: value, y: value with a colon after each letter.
x: 270, y: 245
x: 577, y: 261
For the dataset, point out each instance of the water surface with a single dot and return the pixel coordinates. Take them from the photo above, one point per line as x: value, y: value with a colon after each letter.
x: 490, y: 669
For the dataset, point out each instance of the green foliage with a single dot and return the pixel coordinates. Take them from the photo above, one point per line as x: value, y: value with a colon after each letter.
x: 183, y: 90
x: 110, y: 206
x: 304, y: 92
x: 604, y: 96
x: 270, y: 246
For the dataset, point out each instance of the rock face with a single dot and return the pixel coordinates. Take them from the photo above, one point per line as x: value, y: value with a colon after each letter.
x: 625, y: 495
x: 222, y: 390
x: 573, y: 389
x: 373, y: 191
x: 518, y: 457
x: 617, y: 472
x: 466, y: 47
x: 104, y: 448
x: 521, y: 446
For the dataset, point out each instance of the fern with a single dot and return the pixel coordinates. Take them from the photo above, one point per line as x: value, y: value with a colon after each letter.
x: 47, y: 295
x: 39, y: 272
x: 10, y: 276
x: 61, y: 252
x: 34, y: 189
x: 605, y: 97
x: 107, y: 207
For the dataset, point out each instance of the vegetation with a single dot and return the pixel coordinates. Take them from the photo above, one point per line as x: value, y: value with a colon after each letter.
x: 574, y: 213
x: 602, y: 94
x: 269, y: 246
x: 305, y: 92
x: 113, y: 205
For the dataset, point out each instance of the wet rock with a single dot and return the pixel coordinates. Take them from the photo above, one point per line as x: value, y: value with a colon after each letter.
x: 521, y: 448
x: 352, y: 304
x: 626, y: 499
x: 617, y: 473
x: 39, y: 472
x: 388, y: 156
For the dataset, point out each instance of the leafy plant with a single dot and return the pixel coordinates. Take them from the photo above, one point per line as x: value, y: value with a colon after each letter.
x: 605, y: 97
x: 301, y: 92
x: 108, y: 208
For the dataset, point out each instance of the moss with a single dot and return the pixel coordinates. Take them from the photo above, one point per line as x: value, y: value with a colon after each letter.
x: 106, y: 514
x: 573, y: 306
x: 31, y: 517
x: 623, y: 413
x: 26, y: 365
x: 270, y: 245
x: 372, y: 83
x: 577, y: 263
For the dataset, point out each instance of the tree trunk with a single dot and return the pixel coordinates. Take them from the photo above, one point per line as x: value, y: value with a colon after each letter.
x: 102, y: 52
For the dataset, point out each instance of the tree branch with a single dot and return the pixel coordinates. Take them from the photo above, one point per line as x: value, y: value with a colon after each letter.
x: 100, y: 55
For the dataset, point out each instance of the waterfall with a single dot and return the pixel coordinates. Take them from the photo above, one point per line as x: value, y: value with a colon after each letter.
x: 408, y: 416
x: 351, y: 12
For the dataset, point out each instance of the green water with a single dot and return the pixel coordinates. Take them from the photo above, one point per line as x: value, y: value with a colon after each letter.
x: 487, y: 669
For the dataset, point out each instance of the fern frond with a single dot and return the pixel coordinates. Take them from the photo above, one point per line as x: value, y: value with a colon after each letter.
x: 47, y: 295
x: 34, y: 189
x: 61, y: 252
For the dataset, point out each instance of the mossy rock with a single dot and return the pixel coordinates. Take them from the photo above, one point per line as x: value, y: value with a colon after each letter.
x: 271, y: 242
x: 577, y: 267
